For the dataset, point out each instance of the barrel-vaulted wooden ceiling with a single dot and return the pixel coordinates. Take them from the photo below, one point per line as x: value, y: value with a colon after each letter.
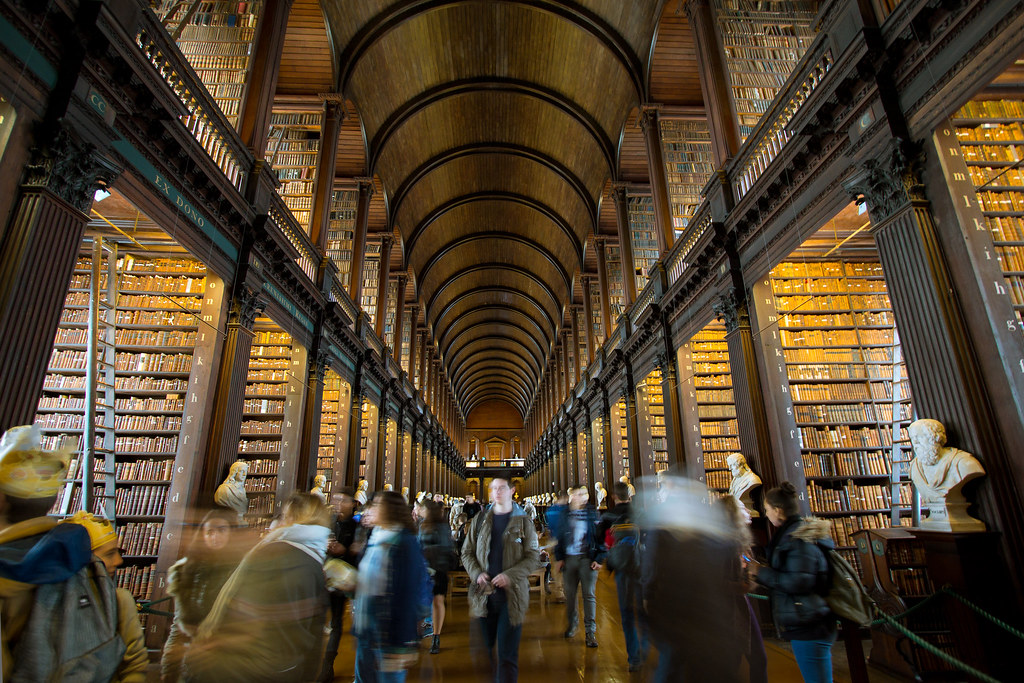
x: 493, y: 129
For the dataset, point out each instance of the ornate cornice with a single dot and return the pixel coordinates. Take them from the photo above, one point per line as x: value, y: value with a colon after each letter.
x: 246, y: 306
x: 69, y: 168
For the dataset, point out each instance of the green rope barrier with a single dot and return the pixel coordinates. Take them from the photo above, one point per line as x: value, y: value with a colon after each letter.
x: 757, y: 596
x: 944, y: 656
x: 995, y: 620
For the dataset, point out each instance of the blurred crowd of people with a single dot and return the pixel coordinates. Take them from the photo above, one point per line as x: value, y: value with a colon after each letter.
x: 271, y: 607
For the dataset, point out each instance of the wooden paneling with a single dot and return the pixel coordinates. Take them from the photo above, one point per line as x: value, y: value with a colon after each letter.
x: 674, y: 78
x: 306, y: 60
x: 633, y: 153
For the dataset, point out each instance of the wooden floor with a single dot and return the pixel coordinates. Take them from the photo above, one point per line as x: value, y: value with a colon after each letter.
x: 544, y: 655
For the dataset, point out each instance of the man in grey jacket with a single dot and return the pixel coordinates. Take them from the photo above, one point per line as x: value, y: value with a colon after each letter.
x: 499, y: 554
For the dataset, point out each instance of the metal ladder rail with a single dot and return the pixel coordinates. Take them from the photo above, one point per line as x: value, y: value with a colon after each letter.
x: 99, y: 399
x: 900, y: 465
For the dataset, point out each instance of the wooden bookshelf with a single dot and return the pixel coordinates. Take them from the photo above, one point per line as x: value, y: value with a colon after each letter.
x: 597, y: 435
x: 643, y: 232
x: 271, y: 416
x: 157, y: 335
x: 217, y: 42
x: 991, y: 137
x: 686, y: 146
x: 390, y: 448
x: 583, y: 458
x: 330, y: 419
x: 368, y: 440
x: 616, y: 288
x: 595, y: 312
x: 341, y: 231
x: 847, y: 387
x: 371, y: 273
x: 651, y: 409
x: 711, y: 395
x: 390, y: 313
x: 581, y: 325
x: 763, y: 41
x: 292, y: 149
x: 620, y: 440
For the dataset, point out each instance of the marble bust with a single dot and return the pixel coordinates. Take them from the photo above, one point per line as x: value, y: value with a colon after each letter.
x: 319, y: 481
x: 625, y: 480
x: 940, y: 472
x: 405, y: 493
x: 599, y: 493
x: 744, y: 481
x: 361, y: 491
x: 389, y: 487
x: 231, y: 493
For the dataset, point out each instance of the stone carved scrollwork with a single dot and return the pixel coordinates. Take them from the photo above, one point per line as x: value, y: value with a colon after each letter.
x: 727, y: 309
x: 70, y: 168
x: 889, y: 185
x: 318, y: 365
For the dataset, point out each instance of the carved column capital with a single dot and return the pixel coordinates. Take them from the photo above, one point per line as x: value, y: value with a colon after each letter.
x: 649, y: 117
x: 246, y: 306
x: 70, y: 168
x: 318, y: 365
x: 730, y: 309
x: 890, y: 183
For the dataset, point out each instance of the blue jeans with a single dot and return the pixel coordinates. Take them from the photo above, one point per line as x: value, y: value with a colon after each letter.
x: 634, y: 627
x: 368, y: 660
x: 498, y: 631
x: 814, y: 657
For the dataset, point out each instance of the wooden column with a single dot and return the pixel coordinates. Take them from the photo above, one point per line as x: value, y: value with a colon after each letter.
x: 323, y: 187
x: 382, y: 285
x: 355, y: 428
x: 40, y: 247
x: 400, y: 448
x: 380, y: 468
x: 943, y: 364
x: 632, y: 427
x: 573, y: 314
x: 309, y: 442
x: 748, y: 396
x: 571, y: 378
x: 625, y: 245
x: 355, y: 284
x: 422, y: 373
x: 670, y: 399
x: 606, y: 439
x: 588, y: 319
x: 593, y: 454
x: 415, y: 452
x: 414, y: 314
x: 261, y: 78
x: 226, y: 424
x: 602, y: 284
x: 400, y: 321
x: 714, y: 82
x: 659, y: 180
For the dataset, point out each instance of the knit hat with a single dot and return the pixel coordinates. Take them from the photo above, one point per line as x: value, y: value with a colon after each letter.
x: 26, y: 470
x: 101, y: 531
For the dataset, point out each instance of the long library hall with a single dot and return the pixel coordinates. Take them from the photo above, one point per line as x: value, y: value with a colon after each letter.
x: 758, y: 263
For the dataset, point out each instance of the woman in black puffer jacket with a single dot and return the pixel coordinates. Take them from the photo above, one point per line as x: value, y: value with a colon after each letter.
x: 797, y: 577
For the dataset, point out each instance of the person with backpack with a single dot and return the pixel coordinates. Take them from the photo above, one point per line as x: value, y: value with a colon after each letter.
x: 797, y: 577
x: 58, y: 605
x: 103, y: 539
x: 389, y: 593
x: 622, y: 536
x: 579, y: 553
x: 435, y: 539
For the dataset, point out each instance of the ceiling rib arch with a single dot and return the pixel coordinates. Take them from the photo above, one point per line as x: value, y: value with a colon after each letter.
x: 451, y: 306
x: 498, y: 345
x: 490, y: 84
x: 585, y: 19
x: 523, y: 200
x: 491, y: 236
x: 487, y: 391
x: 442, y: 332
x: 511, y: 149
x: 498, y: 266
x: 491, y: 325
x: 477, y: 380
x: 489, y: 365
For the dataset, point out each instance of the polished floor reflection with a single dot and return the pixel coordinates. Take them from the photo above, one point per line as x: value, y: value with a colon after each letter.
x: 544, y: 654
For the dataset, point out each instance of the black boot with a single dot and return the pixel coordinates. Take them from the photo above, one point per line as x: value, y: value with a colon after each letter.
x: 436, y: 645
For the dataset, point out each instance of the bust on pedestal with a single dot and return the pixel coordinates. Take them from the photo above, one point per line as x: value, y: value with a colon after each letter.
x: 405, y: 493
x: 625, y: 480
x: 744, y: 481
x: 600, y: 493
x: 319, y: 481
x: 231, y: 493
x: 361, y: 491
x: 940, y: 472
